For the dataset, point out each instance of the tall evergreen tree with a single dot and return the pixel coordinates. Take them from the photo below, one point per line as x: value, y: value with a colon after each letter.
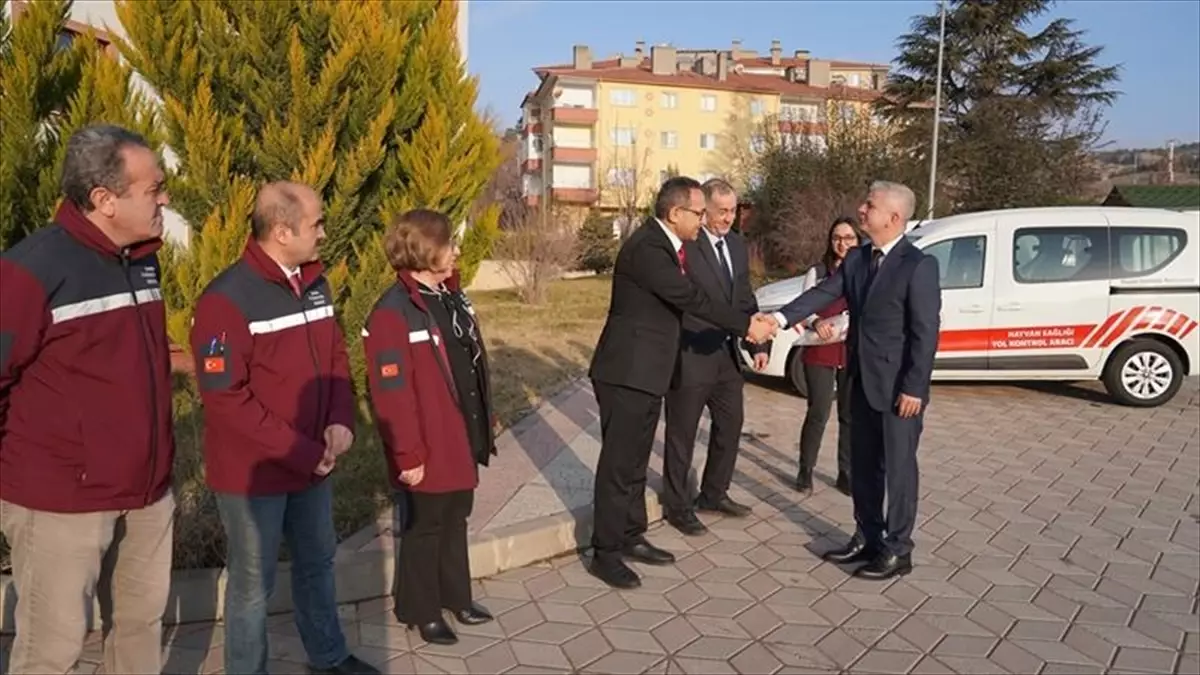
x: 48, y: 90
x: 368, y: 102
x: 1022, y: 102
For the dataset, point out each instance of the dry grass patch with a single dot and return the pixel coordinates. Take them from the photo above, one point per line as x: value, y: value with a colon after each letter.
x: 534, y: 351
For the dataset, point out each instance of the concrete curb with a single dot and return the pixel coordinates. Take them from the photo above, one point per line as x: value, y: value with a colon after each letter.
x: 197, y: 595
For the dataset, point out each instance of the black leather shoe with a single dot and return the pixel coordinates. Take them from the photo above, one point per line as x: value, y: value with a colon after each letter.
x: 436, y: 633
x: 724, y: 506
x: 352, y: 665
x: 614, y: 573
x: 804, y: 484
x: 473, y: 615
x: 645, y: 552
x: 843, y: 484
x: 885, y: 566
x: 686, y: 522
x: 855, y: 552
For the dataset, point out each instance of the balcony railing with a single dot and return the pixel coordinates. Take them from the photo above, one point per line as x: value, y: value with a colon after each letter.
x: 567, y: 115
x: 570, y: 195
x: 573, y: 155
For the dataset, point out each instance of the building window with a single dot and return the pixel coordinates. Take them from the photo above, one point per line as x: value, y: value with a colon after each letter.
x: 536, y: 142
x: 623, y: 136
x: 708, y: 103
x: 669, y: 100
x: 669, y: 140
x: 620, y: 177
x: 854, y: 79
x: 758, y: 143
x: 756, y: 107
x: 708, y: 141
x: 846, y: 112
x: 624, y: 98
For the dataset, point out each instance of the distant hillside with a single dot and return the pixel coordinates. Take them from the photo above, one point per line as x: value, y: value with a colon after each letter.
x: 1131, y: 166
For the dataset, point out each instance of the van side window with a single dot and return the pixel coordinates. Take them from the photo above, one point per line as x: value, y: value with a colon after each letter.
x: 960, y: 261
x: 1056, y: 254
x: 1139, y: 251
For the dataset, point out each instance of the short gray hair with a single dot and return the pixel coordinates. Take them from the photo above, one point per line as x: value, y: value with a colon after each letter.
x: 902, y: 196
x: 717, y: 186
x: 94, y: 159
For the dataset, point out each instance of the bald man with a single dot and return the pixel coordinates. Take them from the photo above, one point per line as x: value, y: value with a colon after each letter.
x: 278, y: 413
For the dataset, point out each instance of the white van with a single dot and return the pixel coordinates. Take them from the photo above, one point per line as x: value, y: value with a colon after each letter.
x: 1059, y: 293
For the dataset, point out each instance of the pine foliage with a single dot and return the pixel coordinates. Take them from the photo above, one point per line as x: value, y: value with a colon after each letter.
x: 49, y: 92
x: 367, y: 102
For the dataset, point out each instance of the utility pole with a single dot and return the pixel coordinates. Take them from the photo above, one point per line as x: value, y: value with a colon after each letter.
x: 1171, y: 161
x: 937, y: 114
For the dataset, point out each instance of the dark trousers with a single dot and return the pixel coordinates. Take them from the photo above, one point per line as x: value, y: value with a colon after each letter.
x: 884, y: 461
x: 628, y: 420
x: 723, y: 397
x: 825, y: 384
x: 432, y: 570
x: 254, y: 529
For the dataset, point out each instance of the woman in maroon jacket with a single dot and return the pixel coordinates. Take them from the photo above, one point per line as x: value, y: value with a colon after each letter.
x: 825, y: 371
x: 428, y: 376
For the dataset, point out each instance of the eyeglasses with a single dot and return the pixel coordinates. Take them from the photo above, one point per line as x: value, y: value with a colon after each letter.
x: 699, y: 213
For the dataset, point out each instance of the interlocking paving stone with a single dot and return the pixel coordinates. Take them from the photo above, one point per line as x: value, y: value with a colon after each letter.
x: 1056, y: 535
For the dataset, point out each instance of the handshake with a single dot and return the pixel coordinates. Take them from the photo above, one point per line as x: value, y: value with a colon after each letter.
x: 763, y: 328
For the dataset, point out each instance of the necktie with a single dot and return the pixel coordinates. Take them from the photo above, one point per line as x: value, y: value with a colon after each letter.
x: 294, y: 281
x: 682, y: 261
x: 724, y: 262
x: 876, y: 261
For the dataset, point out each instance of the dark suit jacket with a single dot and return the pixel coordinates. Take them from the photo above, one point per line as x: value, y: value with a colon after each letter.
x: 702, y: 343
x: 639, y: 345
x: 893, y: 326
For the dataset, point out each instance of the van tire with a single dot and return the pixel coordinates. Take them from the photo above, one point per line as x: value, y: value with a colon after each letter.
x: 1147, y: 354
x: 795, y: 372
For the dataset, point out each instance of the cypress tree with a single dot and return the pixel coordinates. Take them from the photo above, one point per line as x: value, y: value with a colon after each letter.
x: 367, y: 102
x: 49, y: 91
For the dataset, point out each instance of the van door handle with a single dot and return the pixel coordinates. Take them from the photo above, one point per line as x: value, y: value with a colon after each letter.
x: 1009, y: 307
x: 971, y: 309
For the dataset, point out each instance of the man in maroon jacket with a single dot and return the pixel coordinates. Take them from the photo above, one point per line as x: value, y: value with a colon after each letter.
x: 86, y: 443
x: 278, y: 412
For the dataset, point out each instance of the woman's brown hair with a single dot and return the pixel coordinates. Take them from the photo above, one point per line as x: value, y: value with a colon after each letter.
x: 416, y: 239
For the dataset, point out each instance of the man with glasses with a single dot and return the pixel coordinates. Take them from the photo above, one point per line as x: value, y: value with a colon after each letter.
x: 632, y: 367
x: 709, y: 372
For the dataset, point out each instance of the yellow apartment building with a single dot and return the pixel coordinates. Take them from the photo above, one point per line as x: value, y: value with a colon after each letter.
x: 602, y: 133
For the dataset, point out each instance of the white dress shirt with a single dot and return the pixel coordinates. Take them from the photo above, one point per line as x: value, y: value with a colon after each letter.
x: 722, y: 253
x: 885, y: 249
x: 675, y: 240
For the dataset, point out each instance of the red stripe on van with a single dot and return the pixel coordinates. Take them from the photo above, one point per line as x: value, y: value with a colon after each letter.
x: 1095, y: 336
x: 1123, y: 326
x: 1178, y: 325
x: 1166, y: 319
x: 1188, y: 331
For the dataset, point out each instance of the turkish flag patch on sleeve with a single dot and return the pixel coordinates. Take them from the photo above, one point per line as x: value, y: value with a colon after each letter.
x: 389, y: 370
x: 214, y: 365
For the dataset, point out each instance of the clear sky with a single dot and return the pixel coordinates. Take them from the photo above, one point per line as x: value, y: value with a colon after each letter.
x: 1156, y: 42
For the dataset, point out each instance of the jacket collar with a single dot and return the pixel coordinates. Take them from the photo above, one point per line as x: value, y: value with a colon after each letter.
x: 270, y: 270
x: 77, y: 225
x: 413, y: 287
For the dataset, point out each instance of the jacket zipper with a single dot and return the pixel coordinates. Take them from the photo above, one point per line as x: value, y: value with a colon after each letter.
x: 149, y: 355
x: 312, y: 353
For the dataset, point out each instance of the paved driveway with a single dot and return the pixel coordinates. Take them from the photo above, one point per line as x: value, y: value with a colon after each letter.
x: 1059, y: 534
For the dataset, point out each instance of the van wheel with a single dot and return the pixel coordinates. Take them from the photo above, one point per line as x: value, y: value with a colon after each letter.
x: 1143, y: 374
x: 796, y: 372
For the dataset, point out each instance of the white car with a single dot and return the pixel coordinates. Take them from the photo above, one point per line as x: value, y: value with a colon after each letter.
x: 1058, y: 293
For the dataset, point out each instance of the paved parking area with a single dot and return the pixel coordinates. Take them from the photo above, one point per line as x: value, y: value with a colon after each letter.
x: 1059, y: 534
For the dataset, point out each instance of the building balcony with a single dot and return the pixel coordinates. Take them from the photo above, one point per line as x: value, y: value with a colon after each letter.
x: 575, y: 115
x: 568, y: 195
x: 804, y: 128
x: 531, y: 128
x: 573, y: 155
x: 532, y: 164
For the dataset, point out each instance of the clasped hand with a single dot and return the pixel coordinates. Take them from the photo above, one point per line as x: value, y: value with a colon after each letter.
x: 338, y: 440
x: 762, y: 329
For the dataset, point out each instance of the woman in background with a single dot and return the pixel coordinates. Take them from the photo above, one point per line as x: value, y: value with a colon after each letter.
x: 430, y: 392
x: 825, y: 369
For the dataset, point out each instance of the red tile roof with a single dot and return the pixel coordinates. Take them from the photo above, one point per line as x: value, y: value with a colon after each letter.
x: 609, y: 70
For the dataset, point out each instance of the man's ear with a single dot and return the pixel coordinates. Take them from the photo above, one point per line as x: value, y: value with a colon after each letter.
x: 103, y: 201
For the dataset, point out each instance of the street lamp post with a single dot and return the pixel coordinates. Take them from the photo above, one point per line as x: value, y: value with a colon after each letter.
x: 937, y: 114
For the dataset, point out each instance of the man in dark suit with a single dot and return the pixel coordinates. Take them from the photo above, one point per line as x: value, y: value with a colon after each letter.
x: 632, y: 367
x: 895, y: 302
x: 709, y: 372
